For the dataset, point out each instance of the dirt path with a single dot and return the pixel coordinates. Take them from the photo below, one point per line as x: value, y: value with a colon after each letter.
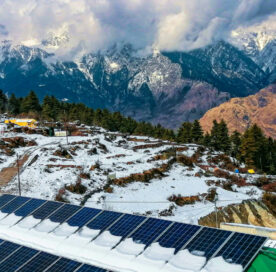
x: 7, y: 174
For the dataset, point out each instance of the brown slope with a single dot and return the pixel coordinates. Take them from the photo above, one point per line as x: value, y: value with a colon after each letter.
x: 240, y: 113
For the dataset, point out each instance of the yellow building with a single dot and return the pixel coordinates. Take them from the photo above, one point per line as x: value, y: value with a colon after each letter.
x: 31, y: 123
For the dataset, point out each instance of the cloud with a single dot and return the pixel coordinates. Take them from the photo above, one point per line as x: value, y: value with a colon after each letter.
x: 93, y: 25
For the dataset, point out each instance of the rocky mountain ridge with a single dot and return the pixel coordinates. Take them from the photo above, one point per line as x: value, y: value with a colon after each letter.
x: 241, y: 113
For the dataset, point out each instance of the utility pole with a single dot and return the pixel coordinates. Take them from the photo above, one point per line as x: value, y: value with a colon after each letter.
x: 216, y: 210
x: 18, y: 175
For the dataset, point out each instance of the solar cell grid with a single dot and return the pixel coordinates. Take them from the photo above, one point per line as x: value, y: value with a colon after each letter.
x: 125, y: 225
x: 29, y: 207
x: 208, y: 241
x: 64, y: 265
x: 14, y: 204
x: 6, y: 249
x: 39, y: 263
x: 82, y: 217
x: 241, y: 248
x: 177, y: 235
x: 45, y: 210
x: 150, y: 230
x: 4, y: 199
x: 17, y: 259
x: 89, y: 268
x: 63, y: 213
x: 102, y: 221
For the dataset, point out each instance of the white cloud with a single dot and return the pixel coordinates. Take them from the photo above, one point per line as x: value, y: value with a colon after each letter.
x: 97, y: 24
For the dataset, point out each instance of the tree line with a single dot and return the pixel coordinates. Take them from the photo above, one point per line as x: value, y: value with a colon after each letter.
x: 252, y: 148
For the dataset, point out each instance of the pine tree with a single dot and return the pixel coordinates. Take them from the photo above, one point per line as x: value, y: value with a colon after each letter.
x: 13, y: 105
x: 235, y: 143
x: 3, y: 102
x: 31, y: 103
x: 196, y: 132
x: 223, y: 137
x: 184, y: 134
x: 207, y: 140
x: 215, y: 141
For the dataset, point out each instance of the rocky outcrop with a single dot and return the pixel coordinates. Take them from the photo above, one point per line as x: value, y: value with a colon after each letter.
x: 251, y: 212
x: 241, y: 113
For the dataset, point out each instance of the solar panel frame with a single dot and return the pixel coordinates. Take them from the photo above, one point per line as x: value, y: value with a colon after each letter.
x: 19, y: 257
x: 15, y: 204
x: 249, y: 244
x: 87, y: 268
x: 38, y: 262
x: 150, y: 235
x: 104, y: 220
x: 5, y: 199
x: 178, y: 235
x: 124, y: 223
x: 209, y: 245
x: 8, y: 247
x: 29, y: 207
x: 46, y: 210
x: 64, y: 212
x: 60, y: 264
x: 83, y: 217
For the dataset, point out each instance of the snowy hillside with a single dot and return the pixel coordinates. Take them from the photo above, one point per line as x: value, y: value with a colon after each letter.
x: 129, y: 174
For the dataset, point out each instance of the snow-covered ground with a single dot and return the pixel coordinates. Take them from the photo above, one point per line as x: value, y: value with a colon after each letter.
x: 44, y: 176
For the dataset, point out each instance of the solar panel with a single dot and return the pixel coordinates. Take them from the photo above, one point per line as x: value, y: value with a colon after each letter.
x: 64, y: 264
x: 17, y: 259
x: 241, y: 248
x: 82, y: 217
x: 150, y: 230
x: 125, y: 225
x: 29, y: 207
x: 89, y: 268
x: 14, y: 204
x: 6, y: 249
x: 45, y: 210
x: 207, y: 241
x: 177, y: 235
x: 63, y: 213
x: 39, y: 262
x: 4, y: 199
x: 102, y: 221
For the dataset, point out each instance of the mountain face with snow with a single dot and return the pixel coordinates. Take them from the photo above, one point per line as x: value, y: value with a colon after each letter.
x: 162, y: 87
x: 260, y: 45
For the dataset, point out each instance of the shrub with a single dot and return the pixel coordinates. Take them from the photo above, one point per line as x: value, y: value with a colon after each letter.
x: 269, y: 200
x: 183, y: 200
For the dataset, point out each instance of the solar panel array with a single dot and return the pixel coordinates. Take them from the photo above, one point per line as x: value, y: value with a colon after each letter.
x: 209, y: 242
x: 14, y: 257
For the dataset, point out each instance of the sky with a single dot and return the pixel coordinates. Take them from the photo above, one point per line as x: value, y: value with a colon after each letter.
x: 90, y: 25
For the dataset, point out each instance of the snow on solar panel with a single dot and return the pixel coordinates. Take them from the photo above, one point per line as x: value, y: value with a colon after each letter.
x: 17, y: 259
x: 177, y: 235
x: 126, y: 224
x: 29, y: 207
x: 207, y: 241
x: 39, y: 262
x: 88, y: 268
x: 241, y: 248
x: 14, y: 204
x: 64, y: 264
x: 48, y: 208
x: 63, y: 213
x: 150, y: 230
x: 82, y: 217
x: 4, y: 199
x: 104, y: 219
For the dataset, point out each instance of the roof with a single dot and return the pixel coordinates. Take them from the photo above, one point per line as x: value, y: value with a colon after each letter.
x: 123, y: 242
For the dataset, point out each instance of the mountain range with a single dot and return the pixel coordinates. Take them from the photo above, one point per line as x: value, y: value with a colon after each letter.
x: 161, y: 87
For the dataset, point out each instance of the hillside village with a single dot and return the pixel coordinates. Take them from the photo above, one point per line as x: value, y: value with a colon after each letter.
x: 134, y: 174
